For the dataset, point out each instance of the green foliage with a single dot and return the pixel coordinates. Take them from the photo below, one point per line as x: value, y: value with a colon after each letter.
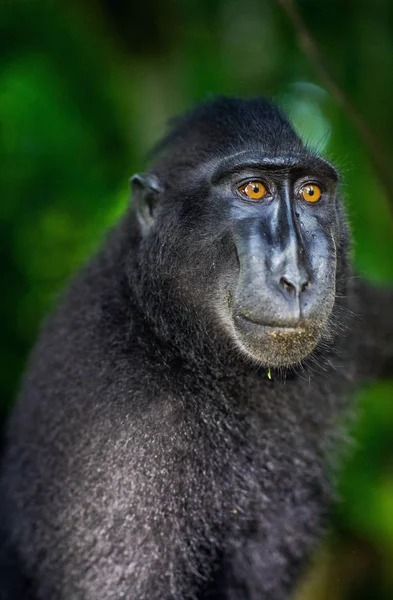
x: 370, y: 467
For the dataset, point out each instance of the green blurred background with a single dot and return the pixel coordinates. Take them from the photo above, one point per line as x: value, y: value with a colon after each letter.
x: 85, y: 89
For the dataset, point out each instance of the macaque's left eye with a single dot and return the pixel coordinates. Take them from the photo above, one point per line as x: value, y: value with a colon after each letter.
x: 253, y: 190
x: 310, y: 192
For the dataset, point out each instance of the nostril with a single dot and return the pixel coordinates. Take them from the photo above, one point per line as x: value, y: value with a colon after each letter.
x: 291, y: 287
x: 287, y: 285
x: 304, y: 286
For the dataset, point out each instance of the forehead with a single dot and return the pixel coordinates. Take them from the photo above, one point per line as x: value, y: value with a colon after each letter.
x: 289, y: 161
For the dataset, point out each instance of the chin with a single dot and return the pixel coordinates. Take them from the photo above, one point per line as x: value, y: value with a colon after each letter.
x: 273, y: 345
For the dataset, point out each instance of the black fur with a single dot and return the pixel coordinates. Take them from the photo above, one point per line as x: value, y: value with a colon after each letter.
x: 148, y: 458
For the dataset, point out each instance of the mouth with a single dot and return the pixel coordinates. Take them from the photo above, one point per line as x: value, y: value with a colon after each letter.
x: 298, y: 328
x: 275, y: 344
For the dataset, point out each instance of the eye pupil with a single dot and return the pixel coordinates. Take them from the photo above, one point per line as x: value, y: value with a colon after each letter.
x: 311, y: 193
x: 253, y: 190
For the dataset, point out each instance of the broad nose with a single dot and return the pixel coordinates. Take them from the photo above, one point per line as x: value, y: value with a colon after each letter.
x: 294, y: 285
x: 289, y: 265
x: 289, y: 268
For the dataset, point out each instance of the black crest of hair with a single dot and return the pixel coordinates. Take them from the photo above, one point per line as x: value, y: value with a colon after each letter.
x: 182, y: 412
x: 228, y: 124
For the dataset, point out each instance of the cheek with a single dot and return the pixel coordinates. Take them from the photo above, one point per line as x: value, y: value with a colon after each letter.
x: 206, y: 268
x: 323, y: 266
x: 319, y: 237
x: 323, y: 257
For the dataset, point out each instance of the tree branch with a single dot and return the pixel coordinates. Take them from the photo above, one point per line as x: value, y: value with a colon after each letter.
x: 382, y: 167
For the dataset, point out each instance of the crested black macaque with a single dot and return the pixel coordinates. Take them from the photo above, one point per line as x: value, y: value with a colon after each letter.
x: 177, y: 427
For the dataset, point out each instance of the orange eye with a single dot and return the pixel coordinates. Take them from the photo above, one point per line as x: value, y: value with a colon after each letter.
x: 310, y: 192
x: 254, y: 190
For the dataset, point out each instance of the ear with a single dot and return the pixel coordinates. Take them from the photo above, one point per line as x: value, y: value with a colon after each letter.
x: 146, y: 189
